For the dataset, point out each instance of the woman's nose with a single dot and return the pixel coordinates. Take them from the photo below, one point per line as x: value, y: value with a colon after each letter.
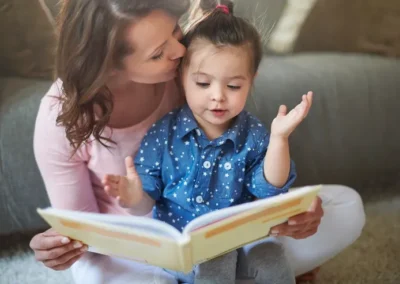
x: 179, y: 51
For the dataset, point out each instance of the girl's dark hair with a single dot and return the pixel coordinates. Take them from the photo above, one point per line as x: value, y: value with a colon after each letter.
x: 221, y: 29
x: 90, y: 43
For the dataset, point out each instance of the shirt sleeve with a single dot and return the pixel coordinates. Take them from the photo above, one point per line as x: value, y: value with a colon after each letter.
x: 256, y: 182
x: 66, y: 178
x: 148, y: 161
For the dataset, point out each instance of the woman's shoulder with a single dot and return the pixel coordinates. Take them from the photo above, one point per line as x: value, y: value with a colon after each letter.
x: 50, y: 104
x: 46, y: 127
x: 50, y: 136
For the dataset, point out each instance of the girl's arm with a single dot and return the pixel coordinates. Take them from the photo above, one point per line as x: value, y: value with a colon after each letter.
x: 277, y: 159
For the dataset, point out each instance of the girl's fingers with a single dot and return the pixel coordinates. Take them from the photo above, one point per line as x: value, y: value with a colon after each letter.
x: 111, y: 179
x: 111, y: 190
x: 282, y: 110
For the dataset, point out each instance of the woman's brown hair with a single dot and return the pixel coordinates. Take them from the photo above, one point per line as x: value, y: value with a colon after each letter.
x: 90, y: 44
x: 215, y: 25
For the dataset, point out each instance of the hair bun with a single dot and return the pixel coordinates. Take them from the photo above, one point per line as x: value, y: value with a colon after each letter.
x: 209, y: 5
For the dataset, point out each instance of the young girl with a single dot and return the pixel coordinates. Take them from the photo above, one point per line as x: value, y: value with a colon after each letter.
x: 211, y: 154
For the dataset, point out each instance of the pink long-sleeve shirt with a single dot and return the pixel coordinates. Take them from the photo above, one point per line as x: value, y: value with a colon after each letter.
x: 75, y: 183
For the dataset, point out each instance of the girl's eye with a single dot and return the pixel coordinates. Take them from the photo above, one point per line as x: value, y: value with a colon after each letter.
x: 202, y: 85
x: 234, y: 87
x: 158, y: 57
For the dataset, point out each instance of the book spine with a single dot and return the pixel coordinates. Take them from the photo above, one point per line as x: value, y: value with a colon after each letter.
x: 185, y: 256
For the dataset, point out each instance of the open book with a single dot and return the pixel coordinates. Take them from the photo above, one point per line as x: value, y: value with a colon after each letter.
x: 155, y: 242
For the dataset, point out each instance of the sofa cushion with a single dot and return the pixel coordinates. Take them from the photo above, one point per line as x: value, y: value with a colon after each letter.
x: 369, y: 26
x: 21, y: 186
x: 358, y: 26
x: 350, y: 135
x: 28, y: 50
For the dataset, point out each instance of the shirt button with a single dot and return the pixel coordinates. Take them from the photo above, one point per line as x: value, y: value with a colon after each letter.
x: 198, y: 132
x: 199, y: 199
x: 207, y: 164
x: 227, y: 166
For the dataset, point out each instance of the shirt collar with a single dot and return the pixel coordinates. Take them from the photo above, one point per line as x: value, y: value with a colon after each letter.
x: 237, y: 133
x: 185, y: 121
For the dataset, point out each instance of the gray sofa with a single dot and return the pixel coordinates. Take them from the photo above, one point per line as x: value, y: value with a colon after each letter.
x: 350, y: 136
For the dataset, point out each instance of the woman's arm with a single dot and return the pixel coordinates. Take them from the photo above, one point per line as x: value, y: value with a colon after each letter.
x: 67, y: 184
x: 66, y: 178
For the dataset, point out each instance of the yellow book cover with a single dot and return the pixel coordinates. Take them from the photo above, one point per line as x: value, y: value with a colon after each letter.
x: 155, y: 242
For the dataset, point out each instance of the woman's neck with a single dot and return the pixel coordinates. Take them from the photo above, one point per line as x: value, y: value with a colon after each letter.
x: 133, y: 102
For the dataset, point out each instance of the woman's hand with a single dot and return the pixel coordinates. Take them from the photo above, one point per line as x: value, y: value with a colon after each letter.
x: 55, y: 251
x: 285, y: 123
x: 303, y: 225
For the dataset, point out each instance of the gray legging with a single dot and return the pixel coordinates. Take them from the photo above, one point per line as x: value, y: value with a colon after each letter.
x: 265, y: 262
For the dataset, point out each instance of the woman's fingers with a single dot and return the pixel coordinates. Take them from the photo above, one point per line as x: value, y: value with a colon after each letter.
x: 295, y: 230
x: 48, y: 240
x: 68, y: 264
x: 305, y: 234
x: 55, y: 253
x: 65, y: 259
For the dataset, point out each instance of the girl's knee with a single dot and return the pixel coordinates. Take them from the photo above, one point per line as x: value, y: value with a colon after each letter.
x: 266, y: 254
x: 268, y: 264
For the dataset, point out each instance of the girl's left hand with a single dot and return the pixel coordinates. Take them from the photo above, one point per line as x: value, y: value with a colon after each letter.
x: 285, y: 123
x: 303, y: 225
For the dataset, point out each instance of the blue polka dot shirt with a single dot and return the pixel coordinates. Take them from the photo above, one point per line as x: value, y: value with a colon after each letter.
x: 188, y: 175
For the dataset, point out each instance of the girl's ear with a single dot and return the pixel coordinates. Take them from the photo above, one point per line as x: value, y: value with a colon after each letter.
x: 254, y: 78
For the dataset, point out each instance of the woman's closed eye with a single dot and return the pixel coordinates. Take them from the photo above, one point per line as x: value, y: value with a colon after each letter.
x: 158, y: 56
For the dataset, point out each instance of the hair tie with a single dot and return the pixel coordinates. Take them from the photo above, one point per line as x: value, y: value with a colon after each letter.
x: 223, y: 8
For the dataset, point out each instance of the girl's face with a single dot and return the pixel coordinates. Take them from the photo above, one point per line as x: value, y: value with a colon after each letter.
x: 155, y: 40
x: 217, y: 81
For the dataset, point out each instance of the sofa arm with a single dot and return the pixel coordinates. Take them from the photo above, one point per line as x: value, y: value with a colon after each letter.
x: 21, y: 185
x: 350, y: 136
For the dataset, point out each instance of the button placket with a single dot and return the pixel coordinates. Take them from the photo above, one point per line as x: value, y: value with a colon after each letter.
x: 227, y: 166
x: 207, y: 165
x: 199, y: 199
x: 203, y: 178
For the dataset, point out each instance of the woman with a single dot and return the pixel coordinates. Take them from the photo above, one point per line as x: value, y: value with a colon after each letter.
x: 116, y: 64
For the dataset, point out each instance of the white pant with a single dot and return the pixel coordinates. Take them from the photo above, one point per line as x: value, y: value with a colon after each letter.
x: 341, y: 225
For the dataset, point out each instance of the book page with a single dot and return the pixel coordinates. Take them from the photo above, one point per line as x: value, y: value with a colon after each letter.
x: 137, y: 238
x: 222, y: 214
x: 143, y: 224
x: 243, y: 224
x: 215, y: 216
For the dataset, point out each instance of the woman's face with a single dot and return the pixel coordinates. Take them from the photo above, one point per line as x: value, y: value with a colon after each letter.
x: 157, y: 50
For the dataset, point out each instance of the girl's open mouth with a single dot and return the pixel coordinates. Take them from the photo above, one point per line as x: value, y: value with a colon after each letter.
x: 218, y: 112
